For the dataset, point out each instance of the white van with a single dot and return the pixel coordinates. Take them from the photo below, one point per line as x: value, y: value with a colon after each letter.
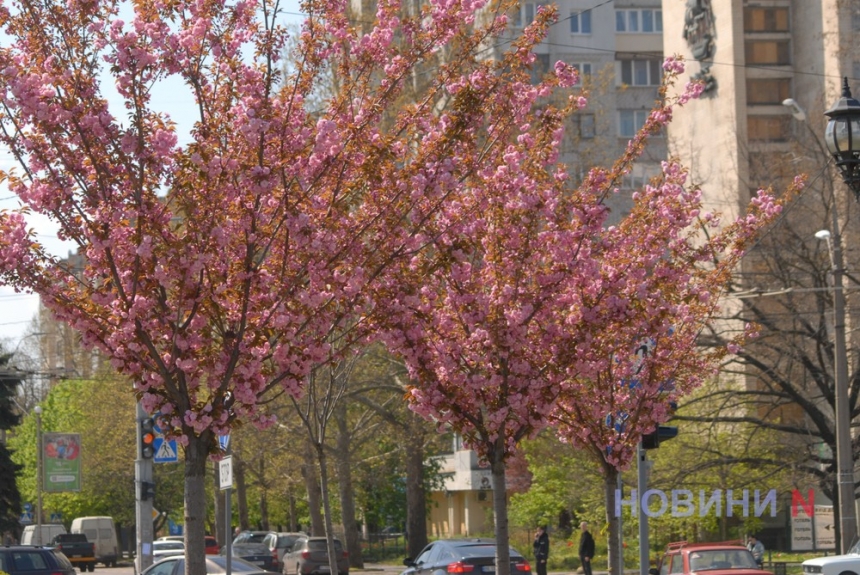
x: 102, y: 532
x: 48, y: 532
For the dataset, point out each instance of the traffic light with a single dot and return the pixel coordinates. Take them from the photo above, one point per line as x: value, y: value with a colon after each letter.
x: 147, y: 491
x: 147, y: 438
x: 655, y: 438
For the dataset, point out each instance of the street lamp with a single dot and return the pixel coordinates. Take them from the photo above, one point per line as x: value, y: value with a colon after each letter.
x: 844, y: 456
x: 38, y: 411
x: 842, y: 134
x: 842, y: 137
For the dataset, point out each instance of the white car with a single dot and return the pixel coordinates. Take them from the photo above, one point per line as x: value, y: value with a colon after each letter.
x: 162, y: 549
x: 848, y: 564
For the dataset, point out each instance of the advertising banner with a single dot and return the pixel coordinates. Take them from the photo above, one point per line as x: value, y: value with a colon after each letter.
x: 61, y: 454
x: 825, y: 527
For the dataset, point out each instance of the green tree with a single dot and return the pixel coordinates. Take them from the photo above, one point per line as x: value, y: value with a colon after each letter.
x: 10, y: 497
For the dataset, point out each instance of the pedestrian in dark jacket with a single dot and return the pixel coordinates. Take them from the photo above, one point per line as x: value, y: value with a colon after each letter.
x: 586, y: 548
x: 541, y: 549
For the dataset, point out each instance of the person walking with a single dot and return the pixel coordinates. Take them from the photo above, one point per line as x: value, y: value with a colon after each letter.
x: 756, y: 547
x: 541, y: 549
x: 586, y: 548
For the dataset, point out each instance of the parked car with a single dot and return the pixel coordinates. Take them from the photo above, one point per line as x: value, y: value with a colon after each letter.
x: 460, y: 556
x: 102, y: 532
x: 161, y: 549
x: 212, y: 547
x: 278, y: 544
x: 215, y: 565
x: 834, y: 564
x: 27, y: 560
x: 308, y: 556
x: 255, y: 553
x: 251, y: 536
x: 728, y: 557
x: 36, y: 535
x: 80, y: 552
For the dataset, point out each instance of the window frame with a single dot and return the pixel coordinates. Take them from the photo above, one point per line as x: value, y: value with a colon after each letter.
x: 781, y: 47
x: 758, y: 90
x: 632, y: 20
x: 770, y: 16
x: 639, y: 118
x: 581, y: 20
x: 652, y: 66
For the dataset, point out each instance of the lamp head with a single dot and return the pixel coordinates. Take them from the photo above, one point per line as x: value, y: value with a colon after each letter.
x: 842, y: 137
x: 822, y: 235
x: 37, y: 410
x: 795, y: 108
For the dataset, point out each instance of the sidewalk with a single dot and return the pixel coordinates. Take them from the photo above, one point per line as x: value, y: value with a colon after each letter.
x: 397, y: 569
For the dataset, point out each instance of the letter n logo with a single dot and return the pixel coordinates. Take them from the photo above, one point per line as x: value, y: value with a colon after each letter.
x: 808, y: 505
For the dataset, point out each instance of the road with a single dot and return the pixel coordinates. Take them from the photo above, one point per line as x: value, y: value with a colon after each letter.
x: 126, y: 568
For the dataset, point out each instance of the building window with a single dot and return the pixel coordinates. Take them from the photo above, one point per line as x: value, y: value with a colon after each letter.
x: 630, y: 121
x: 641, y: 72
x: 768, y: 91
x: 527, y: 13
x: 639, y: 21
x: 586, y: 126
x: 766, y: 20
x: 767, y: 128
x: 539, y: 67
x: 584, y: 69
x: 768, y: 52
x: 580, y: 22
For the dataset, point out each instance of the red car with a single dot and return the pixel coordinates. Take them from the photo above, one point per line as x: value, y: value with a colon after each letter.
x: 212, y: 547
x: 726, y: 558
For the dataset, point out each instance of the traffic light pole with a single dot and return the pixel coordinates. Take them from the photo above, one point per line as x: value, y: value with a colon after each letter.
x: 642, y: 488
x: 143, y: 504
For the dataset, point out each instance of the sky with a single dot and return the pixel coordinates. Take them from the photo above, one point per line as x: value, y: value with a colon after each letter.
x: 17, y: 310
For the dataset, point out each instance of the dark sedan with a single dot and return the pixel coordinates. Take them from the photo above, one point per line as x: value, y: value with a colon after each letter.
x: 255, y: 553
x: 28, y: 560
x: 475, y: 556
x: 215, y: 565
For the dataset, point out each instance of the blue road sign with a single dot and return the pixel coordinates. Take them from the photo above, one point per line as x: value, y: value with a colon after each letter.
x: 28, y: 507
x: 224, y: 441
x: 165, y: 451
x: 26, y: 518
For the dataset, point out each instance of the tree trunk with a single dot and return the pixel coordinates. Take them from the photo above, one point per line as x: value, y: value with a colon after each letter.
x: 196, y: 454
x: 347, y: 498
x: 500, y: 507
x: 329, y: 528
x: 614, y: 549
x: 313, y: 488
x: 241, y: 493
x: 416, y: 497
x: 294, y: 520
x: 220, y: 526
x: 264, y: 497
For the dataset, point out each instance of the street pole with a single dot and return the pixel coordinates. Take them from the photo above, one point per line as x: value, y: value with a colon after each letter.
x: 642, y: 488
x: 844, y: 455
x: 143, y: 509
x: 38, y: 411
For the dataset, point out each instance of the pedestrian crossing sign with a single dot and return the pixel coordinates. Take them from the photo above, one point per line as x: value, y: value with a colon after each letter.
x: 165, y: 451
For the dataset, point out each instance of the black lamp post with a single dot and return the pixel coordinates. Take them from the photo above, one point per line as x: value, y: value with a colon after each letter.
x: 842, y: 137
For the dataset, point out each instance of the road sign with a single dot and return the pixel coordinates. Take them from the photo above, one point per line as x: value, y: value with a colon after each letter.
x: 165, y: 451
x: 56, y: 517
x: 28, y: 507
x: 224, y: 441
x: 225, y: 473
x: 26, y: 518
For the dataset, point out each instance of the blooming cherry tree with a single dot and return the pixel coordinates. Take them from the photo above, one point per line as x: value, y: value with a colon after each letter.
x: 529, y: 313
x: 217, y: 269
